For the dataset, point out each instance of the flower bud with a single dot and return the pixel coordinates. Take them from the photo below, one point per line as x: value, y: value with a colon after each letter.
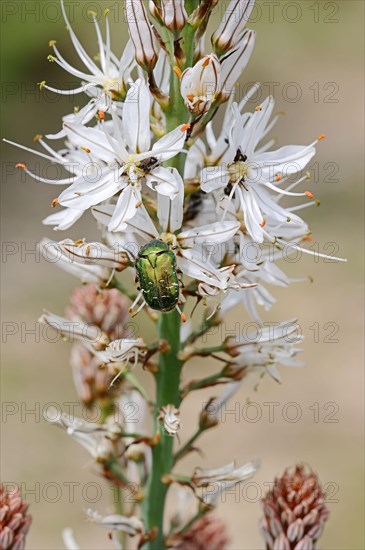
x: 173, y: 14
x: 169, y: 415
x: 142, y: 34
x: 199, y: 84
x: 206, y: 532
x: 233, y: 64
x: 231, y: 29
x: 14, y: 520
x: 294, y: 511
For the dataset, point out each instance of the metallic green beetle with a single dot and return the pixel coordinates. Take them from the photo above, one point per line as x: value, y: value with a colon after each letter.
x: 157, y: 276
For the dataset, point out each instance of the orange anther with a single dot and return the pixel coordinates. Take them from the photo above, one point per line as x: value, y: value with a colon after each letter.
x: 86, y: 149
x: 206, y: 62
x: 21, y: 165
x: 321, y: 136
x: 185, y: 127
x: 279, y: 177
x: 37, y: 137
x: 258, y: 108
x: 307, y: 239
x: 263, y: 223
x: 177, y: 71
x: 54, y: 203
x: 309, y: 194
x: 101, y: 115
x: 190, y: 97
x: 183, y: 318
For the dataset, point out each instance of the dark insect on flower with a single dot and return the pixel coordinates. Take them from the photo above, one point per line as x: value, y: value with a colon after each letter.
x: 157, y: 276
x: 195, y: 205
x: 147, y: 164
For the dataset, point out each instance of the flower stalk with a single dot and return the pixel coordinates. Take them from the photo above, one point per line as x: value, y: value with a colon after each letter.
x: 167, y: 389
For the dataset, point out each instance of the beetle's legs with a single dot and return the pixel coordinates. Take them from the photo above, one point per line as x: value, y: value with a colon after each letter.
x: 139, y: 309
x: 130, y: 309
x: 182, y: 315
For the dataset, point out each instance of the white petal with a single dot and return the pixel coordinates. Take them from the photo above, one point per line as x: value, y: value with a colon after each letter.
x: 164, y: 180
x: 63, y: 219
x: 170, y: 210
x: 86, y: 193
x: 213, y: 178
x: 136, y: 117
x: 235, y: 61
x: 218, y: 232
x: 126, y: 208
x: 286, y: 160
x: 93, y: 139
x: 170, y: 145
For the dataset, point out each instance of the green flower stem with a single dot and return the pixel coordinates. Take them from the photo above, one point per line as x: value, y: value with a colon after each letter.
x: 212, y: 380
x: 187, y: 447
x: 167, y: 390
x: 114, y: 468
x: 204, y: 352
x: 167, y: 377
x: 202, y: 329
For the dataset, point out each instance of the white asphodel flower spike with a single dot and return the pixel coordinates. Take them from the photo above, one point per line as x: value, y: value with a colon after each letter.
x: 141, y: 33
x: 112, y: 75
x: 170, y: 417
x: 231, y: 29
x: 200, y: 84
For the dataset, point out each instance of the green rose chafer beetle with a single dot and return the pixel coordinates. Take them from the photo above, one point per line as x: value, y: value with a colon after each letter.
x: 157, y: 275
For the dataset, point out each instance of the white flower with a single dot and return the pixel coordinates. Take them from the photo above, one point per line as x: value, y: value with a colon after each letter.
x: 231, y: 29
x: 129, y: 151
x: 169, y: 415
x: 120, y: 354
x: 110, y: 77
x: 249, y: 173
x: 91, y: 262
x: 85, y: 253
x: 199, y: 84
x: 216, y: 481
x: 93, y: 437
x: 123, y: 351
x: 91, y: 335
x: 116, y: 522
x: 275, y: 345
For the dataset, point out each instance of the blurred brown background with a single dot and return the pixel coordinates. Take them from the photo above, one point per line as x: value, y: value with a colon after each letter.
x: 313, y: 49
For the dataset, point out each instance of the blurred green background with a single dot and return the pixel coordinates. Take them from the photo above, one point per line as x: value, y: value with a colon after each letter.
x: 318, y: 46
